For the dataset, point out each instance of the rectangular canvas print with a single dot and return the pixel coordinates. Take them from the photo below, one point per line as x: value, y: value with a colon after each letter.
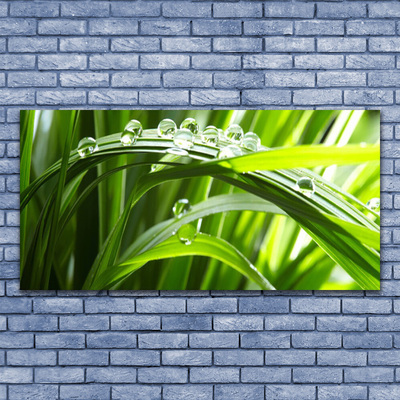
x: 200, y: 200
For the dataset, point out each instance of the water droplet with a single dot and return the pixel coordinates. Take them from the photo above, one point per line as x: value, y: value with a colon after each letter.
x: 251, y: 141
x: 184, y: 139
x: 210, y: 135
x: 305, y: 186
x: 191, y: 124
x: 133, y: 129
x: 234, y: 133
x: 221, y: 135
x: 182, y: 206
x: 166, y: 128
x: 187, y: 233
x: 177, y: 151
x: 230, y: 151
x: 153, y: 167
x: 87, y: 146
x: 374, y: 204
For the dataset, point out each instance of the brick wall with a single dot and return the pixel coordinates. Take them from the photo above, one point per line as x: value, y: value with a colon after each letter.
x: 199, y: 345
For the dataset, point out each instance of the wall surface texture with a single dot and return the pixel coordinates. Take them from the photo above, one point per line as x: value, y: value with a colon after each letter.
x: 199, y: 345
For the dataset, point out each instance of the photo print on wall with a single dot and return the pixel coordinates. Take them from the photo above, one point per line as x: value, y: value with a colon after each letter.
x: 200, y: 200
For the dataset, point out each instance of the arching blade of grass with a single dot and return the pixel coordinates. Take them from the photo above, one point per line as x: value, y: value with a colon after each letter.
x: 203, y: 245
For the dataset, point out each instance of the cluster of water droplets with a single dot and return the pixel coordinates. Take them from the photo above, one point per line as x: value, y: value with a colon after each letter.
x: 186, y: 232
x: 374, y: 204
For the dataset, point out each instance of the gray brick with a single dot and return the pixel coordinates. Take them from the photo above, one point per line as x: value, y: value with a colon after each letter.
x: 176, y: 97
x: 135, y: 357
x: 289, y: 323
x: 384, y: 357
x: 164, y: 27
x: 216, y: 27
x: 83, y: 357
x: 344, y: 392
x: 186, y: 323
x: 138, y: 9
x: 269, y: 27
x: 342, y: 78
x: 15, y: 305
x: 214, y: 62
x: 84, y: 323
x: 110, y: 96
x: 290, y: 392
x: 237, y: 45
x: 34, y: 79
x: 368, y: 374
x: 16, y: 375
x: 113, y: 26
x: 31, y: 357
x: 179, y: 392
x: 193, y: 45
x: 290, y: 79
x: 85, y: 9
x: 384, y: 10
x: 32, y: 391
x: 289, y: 357
x: 289, y: 45
x: 341, y: 323
x: 96, y: 391
x: 346, y: 10
x: 163, y: 340
x: 61, y: 61
x: 16, y: 340
x: 288, y: 10
x: 136, y: 392
x: 135, y: 44
x: 263, y: 305
x: 64, y: 97
x: 109, y: 305
x: 383, y: 79
x: 34, y: 9
x: 238, y: 357
x: 186, y: 357
x: 186, y: 79
x: 113, y: 61
x: 57, y: 306
x: 317, y: 27
x: 386, y: 323
x: 83, y: 79
x: 212, y: 305
x: 19, y: 26
x: 214, y: 340
x: 61, y: 27
x: 367, y: 306
x: 387, y: 44
x: 218, y: 97
x: 179, y: 9
x: 370, y: 61
x: 238, y: 10
x: 262, y: 340
x: 262, y: 96
x: 32, y: 323
x: 111, y: 340
x: 110, y: 375
x: 264, y: 375
x: 31, y: 45
x: 365, y: 27
x: 368, y: 97
x: 164, y: 61
x: 163, y: 375
x: 342, y: 358
x: 319, y: 340
x: 135, y: 322
x: 319, y: 61
x: 17, y: 61
x: 59, y: 375
x: 234, y: 392
x: 325, y: 306
x: 136, y: 79
x: 341, y: 45
x: 317, y: 375
x: 241, y: 323
x: 60, y: 340
x: 367, y: 341
x: 214, y: 375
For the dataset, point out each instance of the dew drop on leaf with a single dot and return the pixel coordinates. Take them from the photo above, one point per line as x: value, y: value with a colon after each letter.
x: 234, y: 133
x: 306, y: 186
x: 210, y: 135
x: 181, y: 207
x: 230, y: 151
x: 251, y: 141
x: 177, y: 151
x: 166, y: 128
x: 87, y: 146
x: 191, y: 124
x: 133, y: 129
x: 187, y: 233
x: 184, y: 139
x: 374, y: 204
